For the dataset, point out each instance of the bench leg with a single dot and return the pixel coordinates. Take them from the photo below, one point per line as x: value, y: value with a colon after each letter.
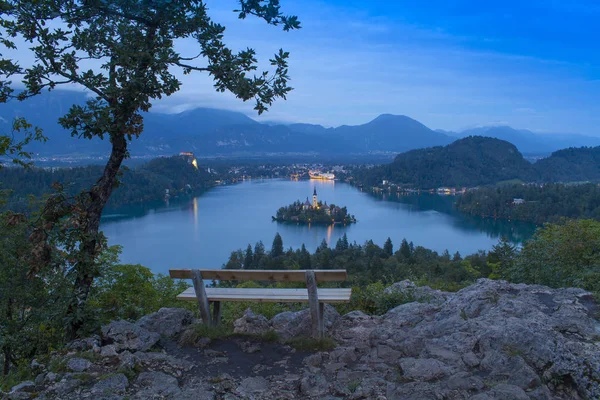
x: 313, y: 301
x: 216, y: 313
x: 201, y: 296
x: 321, y: 320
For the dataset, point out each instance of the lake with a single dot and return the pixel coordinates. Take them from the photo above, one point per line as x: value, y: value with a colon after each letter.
x: 202, y: 232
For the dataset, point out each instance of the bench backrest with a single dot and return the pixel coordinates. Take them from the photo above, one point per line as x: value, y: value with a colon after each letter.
x: 326, y: 275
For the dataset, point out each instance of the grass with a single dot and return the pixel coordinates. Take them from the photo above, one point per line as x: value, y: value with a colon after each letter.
x: 309, y: 344
x: 353, y: 386
x: 513, y: 351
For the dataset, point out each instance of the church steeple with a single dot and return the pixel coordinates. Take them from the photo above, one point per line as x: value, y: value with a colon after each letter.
x: 315, y: 203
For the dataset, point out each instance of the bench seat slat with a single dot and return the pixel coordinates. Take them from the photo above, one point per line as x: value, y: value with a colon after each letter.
x: 269, y: 295
x: 326, y: 275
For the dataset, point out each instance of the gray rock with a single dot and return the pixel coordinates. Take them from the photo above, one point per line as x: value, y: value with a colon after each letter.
x: 426, y: 369
x: 156, y: 384
x: 115, y: 383
x: 91, y: 343
x: 167, y: 322
x: 127, y: 336
x: 251, y: 323
x: 108, y: 351
x: 40, y: 379
x: 422, y: 294
x: 314, y: 385
x: 293, y: 324
x: 253, y: 385
x: 27, y: 386
x: 78, y: 364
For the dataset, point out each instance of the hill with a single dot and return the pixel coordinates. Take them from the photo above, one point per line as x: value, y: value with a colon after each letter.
x: 571, y: 165
x: 530, y: 142
x: 145, y: 183
x: 470, y: 161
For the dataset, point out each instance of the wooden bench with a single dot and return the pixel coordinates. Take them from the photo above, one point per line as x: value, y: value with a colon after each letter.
x: 314, y: 296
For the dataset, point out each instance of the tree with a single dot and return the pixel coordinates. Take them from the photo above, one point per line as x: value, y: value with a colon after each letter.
x: 388, y: 248
x: 248, y: 257
x: 123, y: 52
x: 405, y: 249
x: 259, y: 254
x: 561, y: 255
x: 277, y: 248
x: 504, y: 254
x: 342, y: 243
x: 304, y: 259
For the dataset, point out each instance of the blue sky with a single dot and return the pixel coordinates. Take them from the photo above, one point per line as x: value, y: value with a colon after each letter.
x: 449, y: 64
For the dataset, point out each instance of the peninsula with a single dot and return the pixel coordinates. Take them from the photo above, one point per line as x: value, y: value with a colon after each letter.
x: 314, y: 213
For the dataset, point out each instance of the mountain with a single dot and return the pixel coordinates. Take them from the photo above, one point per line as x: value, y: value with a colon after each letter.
x: 471, y: 161
x: 392, y: 133
x: 571, y: 165
x: 212, y: 132
x: 530, y: 142
x: 386, y: 133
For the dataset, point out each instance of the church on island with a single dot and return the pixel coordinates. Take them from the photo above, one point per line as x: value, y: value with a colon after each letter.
x: 314, y: 213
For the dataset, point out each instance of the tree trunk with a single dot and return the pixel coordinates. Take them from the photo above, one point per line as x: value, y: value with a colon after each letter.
x: 86, y: 268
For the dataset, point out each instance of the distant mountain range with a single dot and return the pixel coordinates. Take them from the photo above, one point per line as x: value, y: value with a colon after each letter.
x: 528, y: 141
x: 478, y: 160
x: 213, y: 132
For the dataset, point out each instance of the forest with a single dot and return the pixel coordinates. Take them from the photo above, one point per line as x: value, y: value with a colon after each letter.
x: 145, y: 183
x: 475, y: 161
x: 532, y: 203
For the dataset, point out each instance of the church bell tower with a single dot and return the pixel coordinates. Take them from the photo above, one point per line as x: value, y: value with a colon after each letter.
x: 315, y: 201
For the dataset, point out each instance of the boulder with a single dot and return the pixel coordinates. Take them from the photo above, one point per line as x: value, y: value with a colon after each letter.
x: 293, y: 324
x: 422, y: 294
x: 253, y: 385
x: 78, y: 364
x: 167, y: 322
x: 157, y: 385
x: 127, y: 336
x: 113, y: 384
x: 251, y: 324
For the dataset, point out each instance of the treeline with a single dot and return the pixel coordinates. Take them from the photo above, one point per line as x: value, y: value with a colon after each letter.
x: 144, y: 183
x: 477, y: 160
x: 558, y: 255
x: 532, y: 203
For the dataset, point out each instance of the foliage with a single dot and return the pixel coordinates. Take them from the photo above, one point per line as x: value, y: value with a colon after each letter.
x: 124, y: 53
x: 466, y: 162
x: 373, y: 300
x: 127, y: 291
x: 14, y: 148
x: 145, y: 183
x: 542, y: 203
x: 561, y: 255
x: 31, y: 304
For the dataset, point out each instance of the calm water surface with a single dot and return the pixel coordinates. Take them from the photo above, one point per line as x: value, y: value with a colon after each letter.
x: 202, y: 232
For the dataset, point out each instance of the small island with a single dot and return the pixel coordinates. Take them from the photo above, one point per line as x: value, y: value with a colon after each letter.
x: 314, y: 213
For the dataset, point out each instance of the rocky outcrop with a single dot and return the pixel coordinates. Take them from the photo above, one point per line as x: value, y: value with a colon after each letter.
x: 124, y: 335
x: 287, y: 324
x: 422, y: 294
x: 492, y: 340
x: 167, y: 322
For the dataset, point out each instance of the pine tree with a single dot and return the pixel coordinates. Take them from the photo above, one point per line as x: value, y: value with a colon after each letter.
x: 248, y: 258
x: 304, y: 259
x: 388, y: 248
x: 405, y: 249
x: 277, y: 248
